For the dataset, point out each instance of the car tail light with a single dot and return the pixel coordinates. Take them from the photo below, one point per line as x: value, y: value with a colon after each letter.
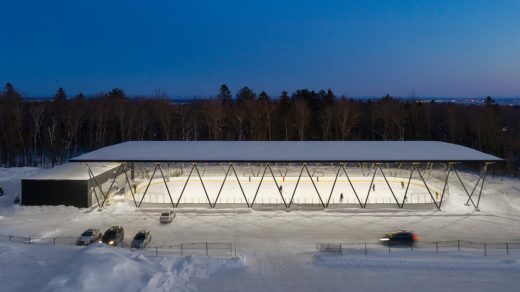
x: 415, y: 237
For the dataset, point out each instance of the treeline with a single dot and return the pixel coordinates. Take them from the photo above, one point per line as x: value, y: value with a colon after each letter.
x: 51, y: 131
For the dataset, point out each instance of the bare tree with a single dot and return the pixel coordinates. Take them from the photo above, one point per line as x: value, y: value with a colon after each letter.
x: 301, y: 117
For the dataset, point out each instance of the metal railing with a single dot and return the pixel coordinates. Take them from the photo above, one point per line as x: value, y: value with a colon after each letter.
x: 178, y: 249
x: 366, y: 248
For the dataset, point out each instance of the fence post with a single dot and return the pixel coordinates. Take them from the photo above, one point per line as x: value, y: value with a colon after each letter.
x: 389, y: 247
x: 366, y: 249
x: 29, y: 240
x: 436, y: 246
x: 181, y: 249
x: 458, y: 245
x: 206, y: 249
x: 507, y: 248
x: 485, y: 250
x: 54, y: 241
x: 235, y: 249
x: 340, y: 250
x: 156, y: 251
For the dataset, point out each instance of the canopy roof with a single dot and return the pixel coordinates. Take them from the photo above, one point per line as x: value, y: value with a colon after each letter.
x: 285, y: 151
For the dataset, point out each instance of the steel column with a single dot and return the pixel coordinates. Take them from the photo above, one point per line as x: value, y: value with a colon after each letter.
x: 334, y: 184
x: 388, y: 184
x: 239, y: 184
x: 257, y: 189
x: 277, y: 186
x: 95, y: 180
x: 464, y: 187
x: 481, y: 176
x: 296, y: 187
x: 222, y: 185
x: 185, y: 184
x: 315, y: 188
x: 482, y: 185
x: 407, y: 186
x: 166, y: 185
x: 370, y: 188
x: 131, y: 188
x: 94, y: 188
x: 351, y: 184
x: 203, y: 186
x: 111, y: 185
x: 445, y: 185
x: 427, y: 188
x: 149, y: 183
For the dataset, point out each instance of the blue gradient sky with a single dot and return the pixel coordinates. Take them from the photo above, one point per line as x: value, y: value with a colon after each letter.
x: 357, y: 48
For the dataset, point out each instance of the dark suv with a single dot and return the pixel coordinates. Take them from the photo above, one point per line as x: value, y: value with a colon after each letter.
x: 113, y: 236
x: 400, y: 237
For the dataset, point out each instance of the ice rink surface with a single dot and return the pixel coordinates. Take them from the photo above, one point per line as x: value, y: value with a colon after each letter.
x: 267, y: 191
x: 278, y: 246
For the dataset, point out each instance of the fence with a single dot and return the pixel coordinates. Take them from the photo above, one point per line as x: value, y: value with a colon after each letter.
x: 178, y: 249
x: 486, y: 249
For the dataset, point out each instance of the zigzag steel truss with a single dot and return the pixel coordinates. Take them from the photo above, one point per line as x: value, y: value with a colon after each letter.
x: 341, y: 169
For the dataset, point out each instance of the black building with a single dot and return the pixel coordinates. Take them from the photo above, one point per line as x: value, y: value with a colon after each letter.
x: 71, y: 184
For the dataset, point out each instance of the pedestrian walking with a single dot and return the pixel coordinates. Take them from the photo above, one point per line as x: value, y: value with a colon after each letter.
x: 402, y: 185
x: 374, y: 187
x: 341, y: 198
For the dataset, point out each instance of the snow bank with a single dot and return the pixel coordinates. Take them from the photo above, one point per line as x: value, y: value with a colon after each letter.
x: 421, y: 260
x: 10, y: 182
x: 101, y: 268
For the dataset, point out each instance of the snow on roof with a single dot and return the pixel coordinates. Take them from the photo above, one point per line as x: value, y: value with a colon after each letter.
x: 285, y: 151
x: 72, y: 171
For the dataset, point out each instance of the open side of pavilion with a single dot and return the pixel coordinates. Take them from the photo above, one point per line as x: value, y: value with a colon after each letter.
x: 266, y: 153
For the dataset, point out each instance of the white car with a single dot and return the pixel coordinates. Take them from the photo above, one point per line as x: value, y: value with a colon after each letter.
x: 89, y: 236
x: 167, y: 216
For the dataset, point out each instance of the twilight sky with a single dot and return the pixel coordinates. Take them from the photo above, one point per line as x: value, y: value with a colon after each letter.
x: 356, y: 48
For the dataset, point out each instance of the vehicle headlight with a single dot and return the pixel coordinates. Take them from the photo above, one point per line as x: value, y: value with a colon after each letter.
x: 384, y: 239
x: 111, y: 242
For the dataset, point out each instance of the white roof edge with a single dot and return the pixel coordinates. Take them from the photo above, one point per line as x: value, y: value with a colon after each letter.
x: 286, y: 151
x: 72, y: 171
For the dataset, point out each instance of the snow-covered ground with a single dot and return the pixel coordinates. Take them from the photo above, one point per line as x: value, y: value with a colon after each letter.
x: 101, y: 268
x: 276, y: 248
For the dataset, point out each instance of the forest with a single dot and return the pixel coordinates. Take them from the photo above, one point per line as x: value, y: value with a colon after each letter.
x: 46, y: 132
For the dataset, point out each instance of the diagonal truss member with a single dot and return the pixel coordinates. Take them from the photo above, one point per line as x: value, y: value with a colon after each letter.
x: 276, y: 183
x: 304, y: 166
x: 194, y: 167
x: 231, y: 167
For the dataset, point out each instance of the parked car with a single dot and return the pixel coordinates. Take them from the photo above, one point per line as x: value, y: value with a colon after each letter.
x: 167, y: 216
x: 113, y: 236
x: 400, y: 237
x: 89, y: 236
x: 141, y: 239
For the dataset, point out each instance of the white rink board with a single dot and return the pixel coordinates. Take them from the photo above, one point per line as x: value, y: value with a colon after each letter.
x: 268, y: 193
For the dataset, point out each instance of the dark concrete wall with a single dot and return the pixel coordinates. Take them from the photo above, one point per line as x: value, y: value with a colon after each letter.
x: 55, y: 192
